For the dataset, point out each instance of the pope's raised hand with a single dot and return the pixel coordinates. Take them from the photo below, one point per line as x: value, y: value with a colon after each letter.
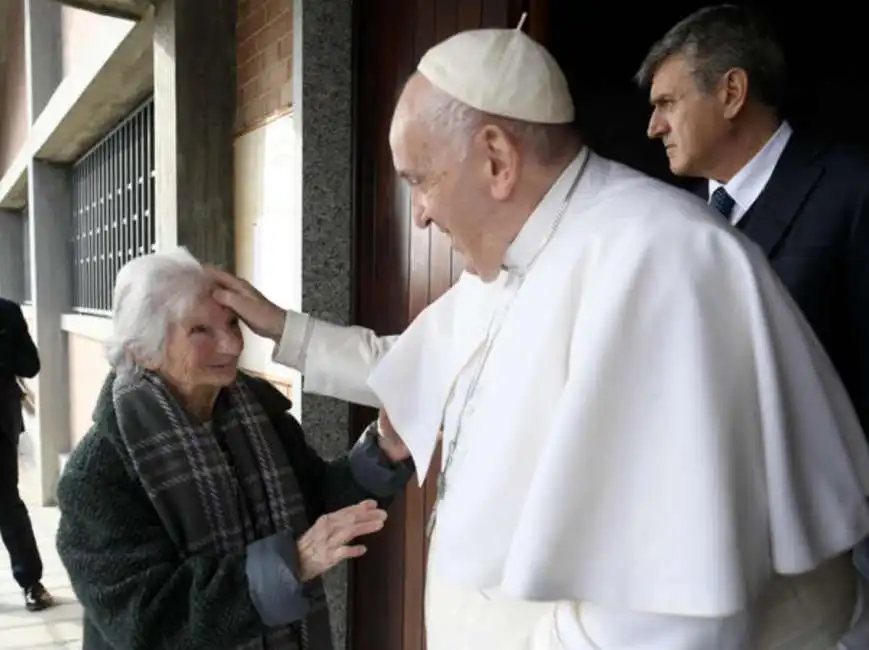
x: 261, y: 315
x: 330, y: 540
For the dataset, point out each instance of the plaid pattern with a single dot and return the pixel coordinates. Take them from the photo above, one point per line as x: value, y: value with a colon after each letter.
x: 217, y: 485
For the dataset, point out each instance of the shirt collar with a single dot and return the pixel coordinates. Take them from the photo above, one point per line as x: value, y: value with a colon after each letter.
x: 749, y: 181
x: 532, y: 236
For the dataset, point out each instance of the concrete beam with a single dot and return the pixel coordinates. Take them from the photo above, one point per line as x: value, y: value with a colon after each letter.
x: 85, y: 105
x: 80, y: 113
x: 128, y: 9
x: 194, y: 119
x: 13, y: 185
x: 44, y: 56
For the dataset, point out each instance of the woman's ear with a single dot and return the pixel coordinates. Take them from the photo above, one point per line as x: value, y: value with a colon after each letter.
x: 136, y: 359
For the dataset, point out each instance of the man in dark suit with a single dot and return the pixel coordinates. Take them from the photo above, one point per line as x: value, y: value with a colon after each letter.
x: 717, y: 81
x: 18, y: 358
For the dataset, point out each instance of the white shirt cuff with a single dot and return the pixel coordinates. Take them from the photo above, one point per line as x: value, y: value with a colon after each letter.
x: 292, y: 349
x: 334, y: 359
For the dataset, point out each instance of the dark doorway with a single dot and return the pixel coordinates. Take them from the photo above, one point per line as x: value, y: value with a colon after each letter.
x: 398, y: 270
x: 600, y: 45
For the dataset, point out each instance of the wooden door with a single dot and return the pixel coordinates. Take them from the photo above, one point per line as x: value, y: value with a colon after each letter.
x: 398, y: 271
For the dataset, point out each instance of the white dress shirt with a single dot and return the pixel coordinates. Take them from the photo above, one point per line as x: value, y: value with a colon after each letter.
x: 749, y: 182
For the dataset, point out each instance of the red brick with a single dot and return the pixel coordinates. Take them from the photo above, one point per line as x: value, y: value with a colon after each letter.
x: 255, y: 4
x: 275, y: 8
x: 285, y: 47
x: 249, y: 70
x: 252, y: 91
x: 279, y: 28
x: 247, y: 115
x: 245, y: 50
x: 276, y: 76
x: 264, y: 57
x: 270, y: 102
x: 252, y: 24
x: 266, y: 37
x: 269, y: 52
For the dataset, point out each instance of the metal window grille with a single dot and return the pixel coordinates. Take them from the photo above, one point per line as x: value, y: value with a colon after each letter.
x: 25, y: 244
x: 113, y: 216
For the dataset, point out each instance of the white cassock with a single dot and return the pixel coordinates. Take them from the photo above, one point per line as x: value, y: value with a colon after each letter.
x: 653, y: 450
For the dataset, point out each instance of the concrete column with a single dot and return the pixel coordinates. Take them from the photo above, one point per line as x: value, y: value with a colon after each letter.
x: 194, y: 102
x: 44, y: 53
x: 12, y: 255
x: 50, y: 206
x: 323, y: 65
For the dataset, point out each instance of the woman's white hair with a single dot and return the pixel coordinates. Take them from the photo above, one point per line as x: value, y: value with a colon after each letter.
x: 151, y: 293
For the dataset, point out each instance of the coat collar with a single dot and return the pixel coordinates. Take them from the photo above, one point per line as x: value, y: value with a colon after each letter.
x: 798, y: 171
x: 795, y: 175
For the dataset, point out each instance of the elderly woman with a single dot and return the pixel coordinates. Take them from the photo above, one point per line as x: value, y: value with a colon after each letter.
x: 187, y: 510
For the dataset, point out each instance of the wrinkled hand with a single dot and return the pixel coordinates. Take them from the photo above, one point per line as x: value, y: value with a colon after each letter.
x: 328, y: 542
x: 390, y: 442
x: 261, y: 315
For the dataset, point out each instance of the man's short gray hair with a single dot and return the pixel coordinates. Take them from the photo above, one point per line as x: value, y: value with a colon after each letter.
x: 151, y: 293
x: 716, y: 39
x: 548, y: 143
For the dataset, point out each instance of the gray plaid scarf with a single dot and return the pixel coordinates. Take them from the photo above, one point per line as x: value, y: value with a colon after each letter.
x: 218, y: 485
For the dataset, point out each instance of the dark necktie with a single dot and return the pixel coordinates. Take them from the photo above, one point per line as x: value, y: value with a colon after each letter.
x: 723, y: 202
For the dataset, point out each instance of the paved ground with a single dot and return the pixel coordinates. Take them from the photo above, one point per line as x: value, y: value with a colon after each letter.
x: 55, y: 628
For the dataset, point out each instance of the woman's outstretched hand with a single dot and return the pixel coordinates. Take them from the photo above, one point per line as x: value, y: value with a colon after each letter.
x: 330, y: 540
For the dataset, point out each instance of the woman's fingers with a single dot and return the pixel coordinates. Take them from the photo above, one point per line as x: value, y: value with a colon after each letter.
x: 346, y: 534
x: 348, y: 553
x: 328, y: 542
x: 360, y: 513
x: 363, y: 506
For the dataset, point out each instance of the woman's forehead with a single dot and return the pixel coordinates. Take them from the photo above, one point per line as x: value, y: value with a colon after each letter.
x: 206, y: 307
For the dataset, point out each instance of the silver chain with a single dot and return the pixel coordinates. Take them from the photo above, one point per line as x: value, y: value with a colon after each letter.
x: 488, y: 344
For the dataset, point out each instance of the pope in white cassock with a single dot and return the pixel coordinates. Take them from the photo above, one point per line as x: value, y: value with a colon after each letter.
x: 645, y: 446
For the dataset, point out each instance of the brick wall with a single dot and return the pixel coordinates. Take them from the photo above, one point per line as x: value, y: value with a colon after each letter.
x: 264, y: 56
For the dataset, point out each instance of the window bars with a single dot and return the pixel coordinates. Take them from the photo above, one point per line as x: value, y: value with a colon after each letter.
x: 113, y: 209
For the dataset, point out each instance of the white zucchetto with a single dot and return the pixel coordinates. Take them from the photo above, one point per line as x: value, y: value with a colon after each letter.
x: 502, y: 72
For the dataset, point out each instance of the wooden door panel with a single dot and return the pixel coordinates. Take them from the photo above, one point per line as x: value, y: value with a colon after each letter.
x: 398, y: 271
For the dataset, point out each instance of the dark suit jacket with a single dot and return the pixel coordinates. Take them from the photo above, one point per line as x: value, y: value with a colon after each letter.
x: 812, y: 221
x: 18, y: 358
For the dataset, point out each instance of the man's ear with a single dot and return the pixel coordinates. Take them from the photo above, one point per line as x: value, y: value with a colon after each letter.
x: 502, y: 161
x: 733, y: 91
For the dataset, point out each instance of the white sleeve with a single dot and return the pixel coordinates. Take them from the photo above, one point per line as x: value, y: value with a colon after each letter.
x: 586, y: 626
x: 334, y: 359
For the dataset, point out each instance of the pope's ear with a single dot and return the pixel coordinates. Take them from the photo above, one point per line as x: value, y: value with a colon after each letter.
x: 502, y: 161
